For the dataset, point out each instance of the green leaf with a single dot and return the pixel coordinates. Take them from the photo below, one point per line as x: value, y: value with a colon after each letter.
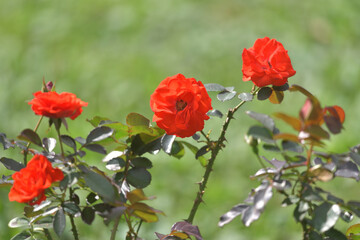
x: 19, y: 222
x: 335, y: 234
x: 291, y: 146
x: 281, y: 88
x: 11, y: 164
x: 59, y: 222
x: 141, y: 162
x: 30, y: 136
x: 138, y: 177
x: 98, y: 134
x: 88, y: 215
x: 177, y: 150
x: 203, y: 161
x: 214, y: 87
x: 44, y: 222
x: 272, y: 148
x: 91, y: 198
x: 99, y: 184
x: 135, y: 119
x: 264, y: 93
x: 353, y: 232
x: 69, y: 141
x: 264, y: 119
x: 121, y: 130
x: 203, y: 150
x: 95, y: 121
x: 24, y: 235
x: 95, y: 148
x: 325, y: 216
x: 261, y: 133
x: 71, y: 208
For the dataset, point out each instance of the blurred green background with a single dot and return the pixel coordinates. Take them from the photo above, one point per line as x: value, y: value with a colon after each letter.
x: 113, y: 54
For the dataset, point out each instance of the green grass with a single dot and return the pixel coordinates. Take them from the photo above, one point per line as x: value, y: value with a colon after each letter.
x: 113, y: 54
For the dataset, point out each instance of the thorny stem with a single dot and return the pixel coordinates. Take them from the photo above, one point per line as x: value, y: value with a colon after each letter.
x: 215, y: 150
x: 29, y: 143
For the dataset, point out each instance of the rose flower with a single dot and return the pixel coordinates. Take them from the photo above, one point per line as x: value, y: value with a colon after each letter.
x: 267, y: 62
x: 180, y: 105
x: 54, y: 105
x: 30, y: 182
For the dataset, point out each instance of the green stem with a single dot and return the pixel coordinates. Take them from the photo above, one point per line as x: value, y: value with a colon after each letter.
x: 73, y: 226
x: 47, y: 234
x: 29, y: 143
x: 61, y: 143
x: 114, y: 229
x: 218, y: 145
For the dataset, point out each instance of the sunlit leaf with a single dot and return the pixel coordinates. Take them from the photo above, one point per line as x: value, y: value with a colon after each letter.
x: 95, y: 121
x: 276, y: 97
x: 226, y: 95
x: 320, y: 173
x: 166, y: 142
x: 232, y: 214
x: 325, y: 216
x: 214, y: 87
x: 292, y: 121
x: 246, y: 97
x: 347, y: 170
x: 215, y: 113
x: 19, y: 222
x: 98, y: 134
x: 187, y: 228
x: 49, y: 144
x: 115, y: 164
x: 353, y: 232
x: 136, y: 119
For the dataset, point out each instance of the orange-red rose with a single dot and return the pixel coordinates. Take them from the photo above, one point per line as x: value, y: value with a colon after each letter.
x: 30, y: 182
x: 180, y: 105
x: 54, y: 105
x: 266, y: 63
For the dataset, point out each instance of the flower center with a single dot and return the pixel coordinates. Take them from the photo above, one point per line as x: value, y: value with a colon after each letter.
x: 181, y: 105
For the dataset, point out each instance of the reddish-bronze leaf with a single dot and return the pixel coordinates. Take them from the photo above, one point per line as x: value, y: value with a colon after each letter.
x: 294, y: 122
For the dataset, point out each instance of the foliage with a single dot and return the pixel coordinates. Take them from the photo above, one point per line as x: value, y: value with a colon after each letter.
x: 298, y: 163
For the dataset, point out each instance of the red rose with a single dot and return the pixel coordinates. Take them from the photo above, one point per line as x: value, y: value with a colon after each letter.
x: 180, y: 105
x: 267, y: 62
x: 30, y: 182
x: 54, y: 105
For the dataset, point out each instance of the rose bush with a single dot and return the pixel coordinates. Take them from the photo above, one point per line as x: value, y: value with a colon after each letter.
x: 180, y: 105
x: 55, y: 105
x: 30, y: 182
x: 267, y: 63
